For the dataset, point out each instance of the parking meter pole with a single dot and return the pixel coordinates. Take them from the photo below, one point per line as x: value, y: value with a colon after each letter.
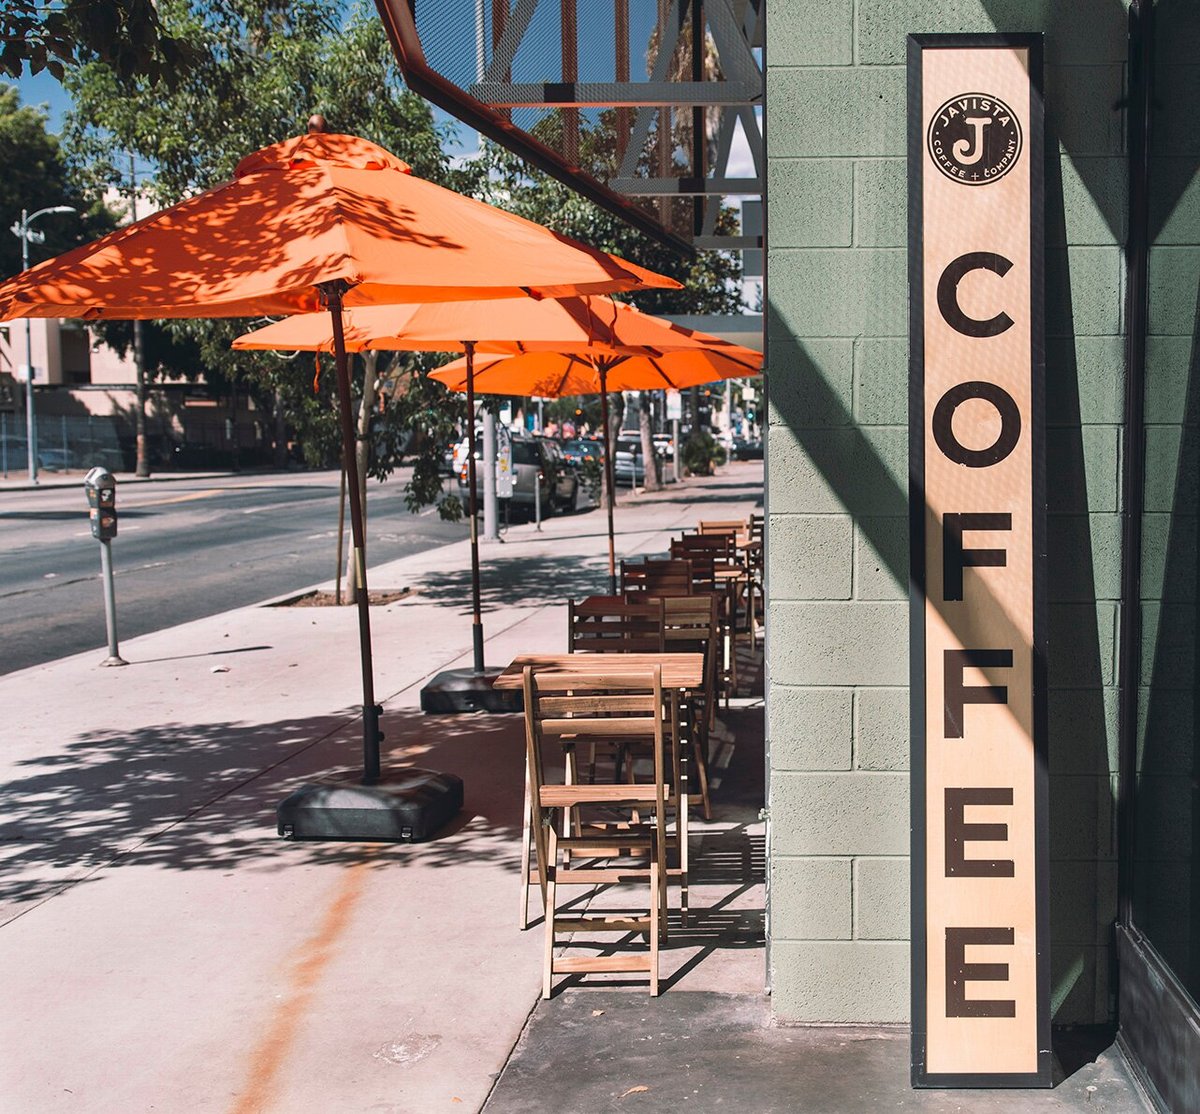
x: 537, y: 499
x: 110, y: 606
x: 372, y: 736
x: 491, y: 520
x: 473, y: 512
x: 608, y: 479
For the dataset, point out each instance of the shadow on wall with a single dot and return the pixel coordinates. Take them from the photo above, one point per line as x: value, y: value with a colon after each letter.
x: 1081, y: 620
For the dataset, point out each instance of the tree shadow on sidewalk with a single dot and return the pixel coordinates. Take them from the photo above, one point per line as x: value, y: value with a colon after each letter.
x: 203, y: 797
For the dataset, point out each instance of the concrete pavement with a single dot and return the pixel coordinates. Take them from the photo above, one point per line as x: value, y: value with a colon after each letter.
x: 163, y: 949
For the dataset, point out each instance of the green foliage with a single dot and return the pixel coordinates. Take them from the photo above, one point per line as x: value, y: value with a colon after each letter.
x: 701, y: 452
x: 264, y: 67
x: 125, y: 35
x: 35, y: 177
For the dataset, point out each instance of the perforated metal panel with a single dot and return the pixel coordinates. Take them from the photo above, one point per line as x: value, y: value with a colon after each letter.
x: 636, y: 103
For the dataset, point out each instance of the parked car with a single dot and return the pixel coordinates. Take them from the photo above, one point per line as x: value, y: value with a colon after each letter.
x: 531, y: 465
x: 564, y: 475
x: 747, y: 448
x: 579, y: 449
x: 628, y: 461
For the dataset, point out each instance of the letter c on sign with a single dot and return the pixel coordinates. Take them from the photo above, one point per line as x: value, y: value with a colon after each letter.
x: 947, y: 294
x: 1010, y: 424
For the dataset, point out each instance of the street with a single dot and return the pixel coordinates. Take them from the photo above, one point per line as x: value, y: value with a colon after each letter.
x: 184, y: 550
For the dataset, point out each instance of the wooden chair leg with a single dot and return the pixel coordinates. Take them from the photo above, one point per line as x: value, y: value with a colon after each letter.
x: 656, y: 908
x: 548, y: 954
x: 526, y: 841
x: 698, y: 746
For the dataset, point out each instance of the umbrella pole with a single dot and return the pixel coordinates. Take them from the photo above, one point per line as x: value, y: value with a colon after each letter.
x: 472, y: 509
x: 608, y: 480
x: 371, y: 711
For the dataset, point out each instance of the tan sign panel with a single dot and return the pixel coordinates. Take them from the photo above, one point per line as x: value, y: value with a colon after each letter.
x: 977, y: 461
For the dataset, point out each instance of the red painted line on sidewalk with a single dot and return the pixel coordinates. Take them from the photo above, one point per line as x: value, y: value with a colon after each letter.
x: 308, y: 964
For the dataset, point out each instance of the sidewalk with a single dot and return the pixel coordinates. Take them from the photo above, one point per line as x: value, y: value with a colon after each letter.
x: 164, y: 950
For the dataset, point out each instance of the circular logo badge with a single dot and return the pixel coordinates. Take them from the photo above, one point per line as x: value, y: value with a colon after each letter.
x: 974, y: 139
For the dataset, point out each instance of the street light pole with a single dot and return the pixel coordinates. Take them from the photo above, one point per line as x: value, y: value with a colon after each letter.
x: 27, y: 235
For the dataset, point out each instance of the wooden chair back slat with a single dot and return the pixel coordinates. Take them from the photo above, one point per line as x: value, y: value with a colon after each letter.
x: 615, y: 626
x: 656, y: 578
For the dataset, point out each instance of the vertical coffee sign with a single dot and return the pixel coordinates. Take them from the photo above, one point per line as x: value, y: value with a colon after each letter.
x: 980, y: 962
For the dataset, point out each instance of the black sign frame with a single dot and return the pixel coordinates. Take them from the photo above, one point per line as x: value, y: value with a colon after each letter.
x: 917, y: 45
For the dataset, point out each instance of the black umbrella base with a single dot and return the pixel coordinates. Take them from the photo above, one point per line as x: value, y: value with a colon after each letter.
x: 464, y: 690
x: 404, y: 806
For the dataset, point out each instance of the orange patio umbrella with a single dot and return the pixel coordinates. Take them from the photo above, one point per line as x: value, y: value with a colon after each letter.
x: 554, y: 374
x: 579, y: 345
x: 319, y: 221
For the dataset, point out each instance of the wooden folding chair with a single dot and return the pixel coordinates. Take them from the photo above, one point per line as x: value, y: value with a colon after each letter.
x: 656, y: 578
x: 691, y: 626
x: 572, y: 706
x: 739, y: 528
x: 707, y: 554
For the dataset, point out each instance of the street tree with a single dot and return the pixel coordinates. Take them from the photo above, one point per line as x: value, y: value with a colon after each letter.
x: 263, y: 69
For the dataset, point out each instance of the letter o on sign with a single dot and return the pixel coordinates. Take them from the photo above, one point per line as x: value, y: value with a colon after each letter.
x: 1010, y: 424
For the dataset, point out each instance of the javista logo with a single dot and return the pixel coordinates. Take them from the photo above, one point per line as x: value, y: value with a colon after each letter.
x: 974, y: 139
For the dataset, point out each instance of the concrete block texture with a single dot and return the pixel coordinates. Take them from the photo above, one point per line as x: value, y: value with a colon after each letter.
x: 881, y: 559
x: 1083, y: 557
x: 1084, y: 108
x: 810, y: 728
x: 1078, y: 984
x: 1083, y: 901
x: 1082, y: 818
x: 831, y: 980
x: 1170, y: 483
x: 1083, y: 469
x: 1082, y: 644
x: 811, y: 32
x: 1175, y: 200
x: 1173, y: 273
x: 811, y: 557
x: 881, y: 899
x: 1086, y: 199
x: 1084, y: 295
x: 858, y: 643
x: 881, y: 737
x: 1168, y: 368
x: 881, y: 203
x: 862, y: 472
x: 812, y: 202
x: 811, y: 382
x: 839, y: 814
x: 1082, y: 727
x: 848, y: 111
x: 881, y: 380
x: 810, y: 899
x: 839, y: 292
x: 1170, y: 543
x: 1085, y: 380
x: 1076, y: 30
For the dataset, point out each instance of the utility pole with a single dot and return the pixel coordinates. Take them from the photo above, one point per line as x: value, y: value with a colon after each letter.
x: 27, y: 235
x: 139, y: 353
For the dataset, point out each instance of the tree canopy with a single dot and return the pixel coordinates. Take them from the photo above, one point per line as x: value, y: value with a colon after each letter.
x: 35, y: 177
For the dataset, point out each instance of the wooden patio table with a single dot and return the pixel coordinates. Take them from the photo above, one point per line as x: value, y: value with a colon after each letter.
x: 679, y: 671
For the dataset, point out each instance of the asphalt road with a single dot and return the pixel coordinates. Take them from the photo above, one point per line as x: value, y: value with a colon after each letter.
x: 184, y: 550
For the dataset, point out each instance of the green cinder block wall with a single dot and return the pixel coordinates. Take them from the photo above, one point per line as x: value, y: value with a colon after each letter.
x: 837, y: 557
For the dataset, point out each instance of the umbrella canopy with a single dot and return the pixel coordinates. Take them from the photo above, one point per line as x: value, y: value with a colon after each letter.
x: 315, y: 209
x: 584, y: 325
x: 604, y: 335
x: 554, y: 374
x: 316, y: 222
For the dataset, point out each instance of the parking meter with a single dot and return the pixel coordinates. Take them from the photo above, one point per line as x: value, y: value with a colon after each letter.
x: 101, y: 488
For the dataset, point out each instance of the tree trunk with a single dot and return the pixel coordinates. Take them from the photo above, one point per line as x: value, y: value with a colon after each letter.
x: 653, y: 481
x: 139, y: 363
x: 362, y: 454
